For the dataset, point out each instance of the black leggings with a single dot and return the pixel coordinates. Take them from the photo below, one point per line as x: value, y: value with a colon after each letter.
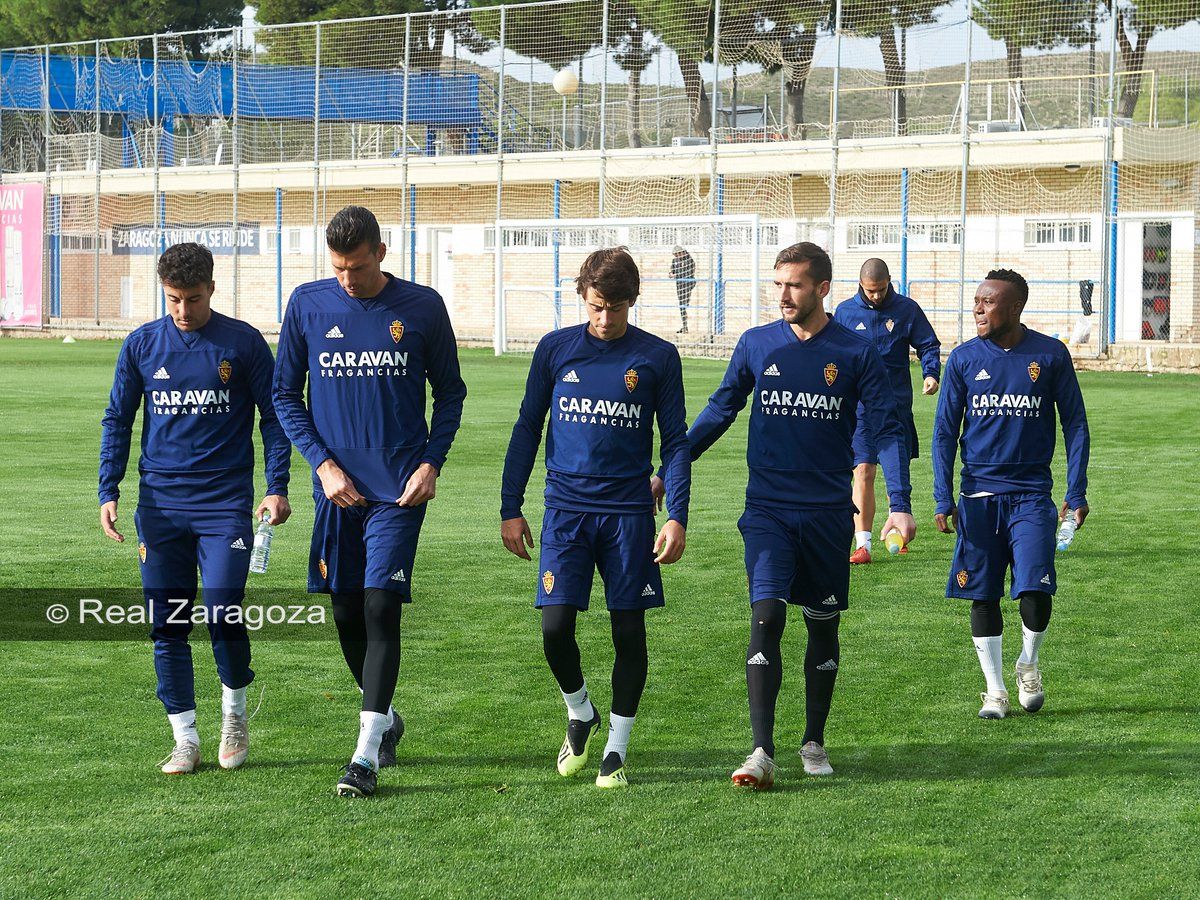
x: 629, y: 641
x: 368, y: 626
x: 987, y: 620
x: 764, y: 671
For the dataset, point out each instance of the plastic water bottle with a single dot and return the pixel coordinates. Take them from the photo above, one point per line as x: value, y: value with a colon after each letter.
x: 894, y: 541
x: 261, y: 553
x: 1066, y: 531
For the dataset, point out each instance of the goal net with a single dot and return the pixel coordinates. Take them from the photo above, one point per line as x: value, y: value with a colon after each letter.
x: 702, y: 277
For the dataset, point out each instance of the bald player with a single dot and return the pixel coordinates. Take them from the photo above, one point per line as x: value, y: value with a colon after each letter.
x: 891, y: 323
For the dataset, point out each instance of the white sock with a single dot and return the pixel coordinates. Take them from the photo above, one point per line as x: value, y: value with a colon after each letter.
x: 619, y: 728
x: 991, y: 660
x: 579, y: 705
x: 1031, y: 642
x: 391, y: 713
x: 371, y: 726
x: 862, y: 539
x: 233, y: 701
x: 184, y: 727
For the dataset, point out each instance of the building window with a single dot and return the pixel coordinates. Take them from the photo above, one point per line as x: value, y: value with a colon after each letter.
x: 873, y: 234
x: 1057, y: 233
x: 85, y: 242
x: 294, y: 238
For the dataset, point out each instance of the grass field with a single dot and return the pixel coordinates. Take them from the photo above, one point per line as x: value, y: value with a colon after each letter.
x: 1094, y: 796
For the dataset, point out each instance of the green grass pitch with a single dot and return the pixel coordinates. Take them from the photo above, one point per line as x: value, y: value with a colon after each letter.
x: 1094, y: 796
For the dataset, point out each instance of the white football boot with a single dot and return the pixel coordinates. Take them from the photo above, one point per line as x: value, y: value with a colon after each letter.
x: 815, y: 759
x: 995, y: 706
x: 235, y: 740
x: 184, y: 759
x: 758, y: 771
x: 1029, y: 687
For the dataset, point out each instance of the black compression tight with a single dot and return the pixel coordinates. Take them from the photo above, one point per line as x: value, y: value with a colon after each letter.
x: 629, y: 641
x: 368, y: 625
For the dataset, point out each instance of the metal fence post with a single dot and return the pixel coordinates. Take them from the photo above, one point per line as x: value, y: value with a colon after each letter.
x: 965, y: 171
x: 236, y: 231
x: 833, y: 125
x: 499, y: 344
x: 406, y: 220
x: 1109, y: 204
x: 156, y: 198
x: 55, y: 299
x: 99, y: 165
x: 604, y: 106
x: 316, y: 223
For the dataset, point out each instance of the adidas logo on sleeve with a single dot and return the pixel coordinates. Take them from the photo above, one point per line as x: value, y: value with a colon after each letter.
x: 983, y: 375
x: 772, y: 370
x: 334, y: 332
x: 860, y: 327
x: 161, y: 374
x: 239, y: 544
x: 571, y: 377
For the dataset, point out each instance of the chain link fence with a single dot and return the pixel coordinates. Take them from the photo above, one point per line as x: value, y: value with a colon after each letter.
x: 948, y: 138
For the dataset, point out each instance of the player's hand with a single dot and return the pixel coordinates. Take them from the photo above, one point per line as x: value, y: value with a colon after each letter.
x: 1081, y: 513
x: 931, y: 386
x: 516, y: 536
x: 902, y: 522
x: 945, y: 521
x: 658, y: 490
x: 277, y: 508
x: 108, y: 521
x: 339, y: 489
x: 421, y: 487
x: 669, y: 544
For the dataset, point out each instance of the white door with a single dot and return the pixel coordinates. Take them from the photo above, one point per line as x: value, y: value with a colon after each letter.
x: 442, y: 257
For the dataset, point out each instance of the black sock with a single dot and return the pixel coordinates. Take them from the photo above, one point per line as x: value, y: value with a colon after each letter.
x: 381, y: 665
x: 821, y: 660
x: 1035, y: 610
x: 631, y: 663
x: 351, y: 630
x: 764, y: 669
x: 986, y: 618
x: 558, y: 643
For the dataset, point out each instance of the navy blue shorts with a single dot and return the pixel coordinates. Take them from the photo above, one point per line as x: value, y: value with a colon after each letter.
x: 173, y: 542
x: 357, y: 547
x: 863, y: 442
x: 996, y: 533
x: 619, y: 545
x: 798, y: 555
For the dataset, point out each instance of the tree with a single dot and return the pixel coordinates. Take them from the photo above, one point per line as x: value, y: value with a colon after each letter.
x: 633, y: 49
x: 890, y: 22
x: 787, y: 30
x: 687, y: 27
x: 1137, y: 24
x: 1029, y: 23
x: 50, y: 21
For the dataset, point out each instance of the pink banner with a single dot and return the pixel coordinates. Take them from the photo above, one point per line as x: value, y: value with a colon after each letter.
x: 21, y: 255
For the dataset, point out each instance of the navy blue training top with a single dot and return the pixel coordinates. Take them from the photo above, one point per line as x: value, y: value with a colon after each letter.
x: 198, y: 391
x: 602, y: 397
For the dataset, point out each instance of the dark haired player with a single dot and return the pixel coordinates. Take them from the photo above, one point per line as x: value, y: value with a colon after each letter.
x: 808, y: 375
x: 198, y: 376
x: 602, y: 384
x: 891, y: 322
x: 368, y: 344
x: 998, y: 399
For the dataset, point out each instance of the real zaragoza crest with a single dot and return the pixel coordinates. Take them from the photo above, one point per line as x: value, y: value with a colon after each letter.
x: 889, y: 324
x: 631, y: 380
x: 548, y: 581
x: 397, y: 330
x: 830, y: 373
x: 962, y: 578
x: 1034, y: 371
x: 224, y: 369
x: 142, y: 550
x: 322, y: 568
